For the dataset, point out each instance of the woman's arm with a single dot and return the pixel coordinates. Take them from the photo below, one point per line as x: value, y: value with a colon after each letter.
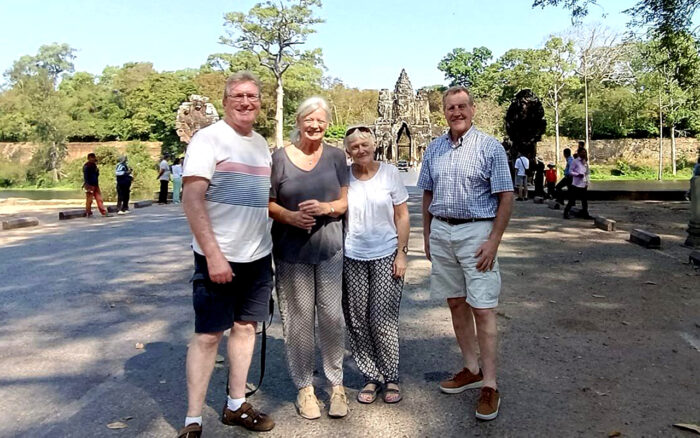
x: 334, y: 208
x: 299, y: 219
x: 403, y: 228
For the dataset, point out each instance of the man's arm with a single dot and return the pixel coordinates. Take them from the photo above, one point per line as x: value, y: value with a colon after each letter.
x: 427, y: 219
x: 195, y: 187
x: 487, y: 251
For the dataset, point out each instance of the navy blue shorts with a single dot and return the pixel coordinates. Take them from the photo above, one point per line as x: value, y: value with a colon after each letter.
x: 245, y: 298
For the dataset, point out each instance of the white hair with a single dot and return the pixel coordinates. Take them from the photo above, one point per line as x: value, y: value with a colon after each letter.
x: 307, y: 107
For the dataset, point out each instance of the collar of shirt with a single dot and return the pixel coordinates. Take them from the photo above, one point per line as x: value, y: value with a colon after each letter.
x: 461, y: 139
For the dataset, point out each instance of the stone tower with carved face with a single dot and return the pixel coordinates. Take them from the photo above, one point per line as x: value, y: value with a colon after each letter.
x: 402, y: 127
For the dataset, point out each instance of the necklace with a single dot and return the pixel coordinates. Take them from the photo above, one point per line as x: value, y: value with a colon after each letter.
x: 310, y: 157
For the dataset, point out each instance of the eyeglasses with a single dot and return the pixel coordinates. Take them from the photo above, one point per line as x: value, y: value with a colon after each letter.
x: 241, y: 97
x: 360, y: 128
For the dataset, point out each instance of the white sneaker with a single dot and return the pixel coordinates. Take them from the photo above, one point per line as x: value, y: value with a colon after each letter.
x: 121, y: 212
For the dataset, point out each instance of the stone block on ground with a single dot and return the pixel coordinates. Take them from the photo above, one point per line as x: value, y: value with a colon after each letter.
x: 112, y: 209
x: 694, y: 258
x: 604, y: 223
x: 70, y: 214
x: 553, y: 204
x: 645, y: 239
x: 141, y: 204
x: 538, y: 200
x: 21, y: 222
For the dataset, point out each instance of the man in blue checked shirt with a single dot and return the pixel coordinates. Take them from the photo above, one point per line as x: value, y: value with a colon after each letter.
x: 467, y: 203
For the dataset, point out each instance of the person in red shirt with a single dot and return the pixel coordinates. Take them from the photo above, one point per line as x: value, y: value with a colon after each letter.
x: 550, y: 176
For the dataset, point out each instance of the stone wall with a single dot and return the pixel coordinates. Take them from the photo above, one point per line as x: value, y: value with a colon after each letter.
x: 639, y: 151
x: 22, y: 152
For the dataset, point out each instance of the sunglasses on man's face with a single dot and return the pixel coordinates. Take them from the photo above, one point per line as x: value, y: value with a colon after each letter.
x: 357, y: 128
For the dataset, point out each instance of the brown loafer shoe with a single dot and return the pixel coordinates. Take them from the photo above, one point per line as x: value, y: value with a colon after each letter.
x: 193, y: 430
x: 247, y: 417
x: 462, y: 381
x: 489, y: 402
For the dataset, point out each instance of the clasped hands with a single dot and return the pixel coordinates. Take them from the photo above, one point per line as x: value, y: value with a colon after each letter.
x: 304, y: 218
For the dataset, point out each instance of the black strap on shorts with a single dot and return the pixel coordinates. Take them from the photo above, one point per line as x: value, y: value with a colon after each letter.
x: 263, y: 348
x: 456, y: 221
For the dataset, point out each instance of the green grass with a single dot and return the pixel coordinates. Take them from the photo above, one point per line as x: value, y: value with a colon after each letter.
x: 623, y: 172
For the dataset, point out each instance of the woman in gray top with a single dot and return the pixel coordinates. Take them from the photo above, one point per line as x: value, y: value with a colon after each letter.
x: 307, y: 199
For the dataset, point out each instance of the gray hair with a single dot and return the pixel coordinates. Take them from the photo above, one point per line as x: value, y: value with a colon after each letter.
x: 358, y: 135
x: 241, y: 76
x: 307, y: 107
x: 457, y: 89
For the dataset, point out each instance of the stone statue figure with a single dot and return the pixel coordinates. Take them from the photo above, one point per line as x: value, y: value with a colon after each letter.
x: 193, y: 115
x: 525, y: 124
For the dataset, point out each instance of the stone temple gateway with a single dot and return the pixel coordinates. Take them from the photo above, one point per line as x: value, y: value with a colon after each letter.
x: 403, y: 128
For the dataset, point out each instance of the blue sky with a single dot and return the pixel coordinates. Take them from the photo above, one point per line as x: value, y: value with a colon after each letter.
x: 365, y: 43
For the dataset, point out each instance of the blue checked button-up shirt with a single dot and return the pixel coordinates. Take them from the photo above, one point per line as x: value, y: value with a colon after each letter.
x: 465, y: 178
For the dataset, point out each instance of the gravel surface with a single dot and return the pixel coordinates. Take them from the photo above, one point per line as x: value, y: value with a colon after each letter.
x: 597, y: 335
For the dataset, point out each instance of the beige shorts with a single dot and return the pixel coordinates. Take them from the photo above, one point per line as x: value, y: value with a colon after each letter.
x: 454, y: 273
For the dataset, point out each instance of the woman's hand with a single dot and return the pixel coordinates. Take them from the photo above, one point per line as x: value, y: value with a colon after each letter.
x: 301, y: 220
x: 314, y: 208
x: 400, y: 264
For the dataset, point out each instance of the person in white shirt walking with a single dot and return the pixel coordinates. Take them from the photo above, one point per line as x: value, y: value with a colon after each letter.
x: 164, y: 178
x: 177, y: 180
x: 521, y: 166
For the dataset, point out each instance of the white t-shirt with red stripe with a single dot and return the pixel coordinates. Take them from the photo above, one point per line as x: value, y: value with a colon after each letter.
x: 238, y: 170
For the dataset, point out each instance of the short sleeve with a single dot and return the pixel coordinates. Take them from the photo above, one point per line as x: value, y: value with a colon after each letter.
x: 425, y: 180
x: 341, y: 168
x: 399, y: 194
x: 200, y: 159
x: 500, y: 172
x: 276, y: 174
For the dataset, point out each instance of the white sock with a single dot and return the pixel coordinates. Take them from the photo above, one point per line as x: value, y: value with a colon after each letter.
x: 190, y: 420
x: 234, y: 404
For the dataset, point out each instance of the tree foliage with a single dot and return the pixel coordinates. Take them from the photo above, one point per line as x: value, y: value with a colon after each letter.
x: 274, y: 32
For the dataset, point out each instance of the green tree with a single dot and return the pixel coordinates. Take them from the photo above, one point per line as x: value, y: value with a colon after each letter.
x: 469, y: 69
x: 273, y: 32
x: 34, y: 79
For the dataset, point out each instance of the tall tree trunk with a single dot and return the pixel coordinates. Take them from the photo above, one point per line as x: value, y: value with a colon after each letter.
x: 673, y: 147
x: 54, y: 161
x: 661, y: 140
x: 279, y: 115
x: 556, y: 128
x: 585, y: 96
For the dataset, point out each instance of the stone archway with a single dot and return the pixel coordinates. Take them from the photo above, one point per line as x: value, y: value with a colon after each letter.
x: 404, y: 143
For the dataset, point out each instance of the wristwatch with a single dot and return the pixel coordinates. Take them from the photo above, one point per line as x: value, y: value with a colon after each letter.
x: 405, y: 249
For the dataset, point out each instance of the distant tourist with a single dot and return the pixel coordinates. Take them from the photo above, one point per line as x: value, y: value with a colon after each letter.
x: 566, y: 179
x: 232, y: 280
x: 539, y: 177
x: 580, y: 174
x: 521, y: 166
x: 91, y: 185
x: 177, y: 180
x: 376, y: 247
x: 308, y: 198
x: 550, y: 176
x: 164, y: 178
x: 124, y: 177
x: 467, y: 203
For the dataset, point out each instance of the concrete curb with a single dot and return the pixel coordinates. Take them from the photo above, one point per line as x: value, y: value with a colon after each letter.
x: 22, y: 222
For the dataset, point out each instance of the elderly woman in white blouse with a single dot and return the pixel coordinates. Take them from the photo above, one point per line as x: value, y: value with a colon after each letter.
x: 374, y: 265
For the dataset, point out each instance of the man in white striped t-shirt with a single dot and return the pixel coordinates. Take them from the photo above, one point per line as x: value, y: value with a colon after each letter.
x: 226, y: 179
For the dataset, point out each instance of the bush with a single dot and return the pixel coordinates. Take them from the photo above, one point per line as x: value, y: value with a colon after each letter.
x: 12, y: 174
x: 336, y: 131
